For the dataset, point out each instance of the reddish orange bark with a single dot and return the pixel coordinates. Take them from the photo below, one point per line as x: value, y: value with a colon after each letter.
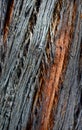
x: 52, y: 83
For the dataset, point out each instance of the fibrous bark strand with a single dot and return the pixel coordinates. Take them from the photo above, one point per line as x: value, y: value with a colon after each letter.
x: 40, y: 66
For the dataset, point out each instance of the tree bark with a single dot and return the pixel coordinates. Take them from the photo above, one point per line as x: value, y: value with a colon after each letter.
x: 41, y: 65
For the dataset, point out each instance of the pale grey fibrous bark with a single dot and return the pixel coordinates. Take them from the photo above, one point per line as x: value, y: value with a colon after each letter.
x: 41, y: 65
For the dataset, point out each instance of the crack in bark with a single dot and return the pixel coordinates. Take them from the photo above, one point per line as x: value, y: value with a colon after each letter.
x: 8, y: 19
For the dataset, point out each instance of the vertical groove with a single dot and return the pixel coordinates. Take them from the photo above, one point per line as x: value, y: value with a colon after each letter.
x: 8, y: 19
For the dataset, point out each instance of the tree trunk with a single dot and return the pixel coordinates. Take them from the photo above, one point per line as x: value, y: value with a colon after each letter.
x: 40, y: 65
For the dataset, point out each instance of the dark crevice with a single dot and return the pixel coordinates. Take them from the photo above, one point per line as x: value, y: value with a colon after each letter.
x: 0, y: 69
x: 38, y: 3
x: 8, y: 19
x: 2, y: 53
x: 26, y: 48
x: 29, y: 124
x: 33, y: 18
x: 3, y: 56
x: 21, y: 62
x: 19, y: 125
x: 81, y: 98
x: 76, y: 114
x: 21, y: 5
x: 8, y: 11
x: 18, y: 72
x: 27, y: 12
x: 75, y: 119
x: 19, y: 68
x: 32, y: 21
x: 8, y: 124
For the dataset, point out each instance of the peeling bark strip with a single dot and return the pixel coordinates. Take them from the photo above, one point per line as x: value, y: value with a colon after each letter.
x: 8, y: 19
x: 51, y: 85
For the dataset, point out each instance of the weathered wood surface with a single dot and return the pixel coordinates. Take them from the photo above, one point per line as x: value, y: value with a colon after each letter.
x: 41, y: 65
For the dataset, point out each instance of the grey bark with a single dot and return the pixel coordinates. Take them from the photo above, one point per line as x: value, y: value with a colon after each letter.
x: 21, y: 59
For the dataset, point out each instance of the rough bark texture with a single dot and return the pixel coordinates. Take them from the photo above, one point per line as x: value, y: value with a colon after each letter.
x: 40, y: 65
